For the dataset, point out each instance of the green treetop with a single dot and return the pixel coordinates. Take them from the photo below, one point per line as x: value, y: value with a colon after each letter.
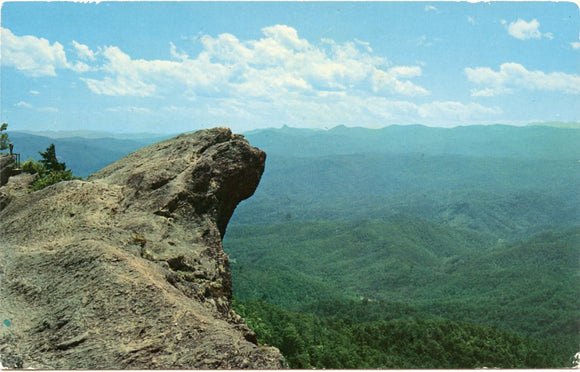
x: 4, y: 142
x: 50, y: 161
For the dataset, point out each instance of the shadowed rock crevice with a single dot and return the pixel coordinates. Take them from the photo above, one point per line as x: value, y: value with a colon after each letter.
x: 126, y: 269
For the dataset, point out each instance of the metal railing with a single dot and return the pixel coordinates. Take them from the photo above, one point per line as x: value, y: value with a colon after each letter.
x: 16, y: 158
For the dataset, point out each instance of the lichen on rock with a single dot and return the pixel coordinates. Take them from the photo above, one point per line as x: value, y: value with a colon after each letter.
x: 126, y: 269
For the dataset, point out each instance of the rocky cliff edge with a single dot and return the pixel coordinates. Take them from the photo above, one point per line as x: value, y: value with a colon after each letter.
x: 126, y: 269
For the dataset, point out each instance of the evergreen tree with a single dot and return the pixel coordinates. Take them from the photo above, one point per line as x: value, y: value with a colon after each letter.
x: 50, y: 161
x: 52, y: 170
x: 4, y: 142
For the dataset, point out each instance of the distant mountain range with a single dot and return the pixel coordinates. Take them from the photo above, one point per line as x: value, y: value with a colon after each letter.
x: 493, y: 141
x: 84, y: 155
x: 95, y: 134
x: 85, y: 152
x: 558, y: 124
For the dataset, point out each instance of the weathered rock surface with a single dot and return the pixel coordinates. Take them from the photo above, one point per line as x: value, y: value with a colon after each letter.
x: 7, y: 165
x: 126, y: 269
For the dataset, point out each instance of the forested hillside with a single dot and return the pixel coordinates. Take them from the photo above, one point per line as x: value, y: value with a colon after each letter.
x: 395, y: 340
x: 473, y: 228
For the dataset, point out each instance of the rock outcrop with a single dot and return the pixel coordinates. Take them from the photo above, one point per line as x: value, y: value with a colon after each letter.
x: 126, y: 270
x: 7, y: 165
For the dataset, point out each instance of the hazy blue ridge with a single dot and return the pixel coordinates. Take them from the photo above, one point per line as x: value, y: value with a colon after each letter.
x: 534, y: 142
x: 488, y: 141
x: 93, y: 134
x: 505, y: 196
x: 82, y: 155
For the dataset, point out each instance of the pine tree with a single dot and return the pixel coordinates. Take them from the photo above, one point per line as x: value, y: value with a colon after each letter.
x: 50, y: 161
x: 4, y: 142
x: 52, y: 172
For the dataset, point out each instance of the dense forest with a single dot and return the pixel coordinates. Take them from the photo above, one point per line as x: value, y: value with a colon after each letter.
x: 413, y: 247
x: 402, y: 339
x: 401, y: 247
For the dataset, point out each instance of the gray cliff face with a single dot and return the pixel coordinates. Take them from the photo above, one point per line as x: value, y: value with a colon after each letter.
x: 126, y: 269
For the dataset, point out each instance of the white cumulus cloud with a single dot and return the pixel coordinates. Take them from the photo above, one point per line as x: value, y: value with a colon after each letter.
x: 83, y: 51
x: 128, y: 77
x: 389, y: 81
x: 278, y: 63
x: 512, y: 76
x: 524, y: 30
x: 182, y: 56
x: 285, y: 36
x: 31, y: 55
x: 36, y: 57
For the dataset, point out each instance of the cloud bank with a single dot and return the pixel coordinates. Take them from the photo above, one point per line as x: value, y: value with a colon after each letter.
x: 279, y: 63
x: 277, y: 78
x: 512, y: 77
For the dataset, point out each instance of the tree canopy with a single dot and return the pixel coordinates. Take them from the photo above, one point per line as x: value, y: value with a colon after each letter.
x: 4, y: 142
x: 50, y: 161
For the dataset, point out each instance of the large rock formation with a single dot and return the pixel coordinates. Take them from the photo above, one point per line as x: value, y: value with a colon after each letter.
x: 126, y: 269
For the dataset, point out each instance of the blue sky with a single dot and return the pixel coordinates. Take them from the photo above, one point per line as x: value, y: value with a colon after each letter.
x: 181, y: 66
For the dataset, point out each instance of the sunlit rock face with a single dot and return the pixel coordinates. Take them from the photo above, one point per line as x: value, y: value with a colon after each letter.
x: 126, y: 269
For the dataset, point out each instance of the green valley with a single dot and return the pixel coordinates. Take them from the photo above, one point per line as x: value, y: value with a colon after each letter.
x: 355, y: 231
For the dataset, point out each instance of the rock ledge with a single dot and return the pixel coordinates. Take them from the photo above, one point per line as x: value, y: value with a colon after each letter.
x: 126, y: 270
